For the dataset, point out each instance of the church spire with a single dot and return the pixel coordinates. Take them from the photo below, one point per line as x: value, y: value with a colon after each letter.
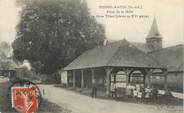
x: 154, y: 32
x: 154, y: 38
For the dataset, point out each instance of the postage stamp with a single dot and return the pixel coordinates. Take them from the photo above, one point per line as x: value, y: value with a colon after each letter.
x: 25, y: 99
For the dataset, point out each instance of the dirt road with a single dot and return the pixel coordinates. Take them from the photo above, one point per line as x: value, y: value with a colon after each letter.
x: 85, y: 104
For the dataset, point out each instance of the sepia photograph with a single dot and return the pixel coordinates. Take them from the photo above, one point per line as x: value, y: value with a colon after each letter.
x: 91, y: 56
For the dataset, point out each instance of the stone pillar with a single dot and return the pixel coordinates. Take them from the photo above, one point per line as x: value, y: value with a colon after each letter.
x: 82, y: 79
x: 108, y: 80
x: 74, y: 81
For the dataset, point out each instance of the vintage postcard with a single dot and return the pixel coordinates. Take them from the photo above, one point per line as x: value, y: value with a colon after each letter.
x: 91, y: 56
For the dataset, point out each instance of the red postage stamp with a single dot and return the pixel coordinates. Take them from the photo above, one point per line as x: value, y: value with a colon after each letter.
x: 25, y: 99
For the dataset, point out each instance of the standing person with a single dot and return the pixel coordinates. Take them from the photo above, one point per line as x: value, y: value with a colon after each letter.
x: 129, y: 90
x: 135, y: 93
x: 154, y: 93
x: 113, y: 90
x: 43, y: 91
x: 147, y: 93
x: 140, y: 93
x: 94, y: 89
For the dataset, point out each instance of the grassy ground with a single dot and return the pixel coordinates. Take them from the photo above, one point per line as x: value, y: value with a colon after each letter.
x: 5, y: 103
x: 48, y: 107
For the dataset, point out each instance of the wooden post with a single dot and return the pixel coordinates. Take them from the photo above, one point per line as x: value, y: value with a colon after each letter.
x: 143, y: 71
x: 127, y: 76
x: 165, y: 80
x: 144, y: 79
x: 82, y: 79
x: 149, y: 81
x: 114, y: 78
x: 74, y: 81
x: 67, y: 79
x: 108, y: 80
x: 92, y: 75
x: 129, y: 72
x: 167, y: 92
x: 149, y: 74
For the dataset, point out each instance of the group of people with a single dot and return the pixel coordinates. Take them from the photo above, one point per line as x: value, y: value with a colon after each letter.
x: 138, y: 91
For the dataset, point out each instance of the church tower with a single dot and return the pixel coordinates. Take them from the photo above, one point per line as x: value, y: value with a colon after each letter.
x: 154, y: 38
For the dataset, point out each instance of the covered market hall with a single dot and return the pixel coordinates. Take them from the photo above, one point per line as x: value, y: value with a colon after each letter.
x: 119, y: 62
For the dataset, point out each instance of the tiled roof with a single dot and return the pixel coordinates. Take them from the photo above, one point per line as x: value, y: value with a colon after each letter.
x: 171, y: 57
x: 141, y: 46
x: 117, y: 54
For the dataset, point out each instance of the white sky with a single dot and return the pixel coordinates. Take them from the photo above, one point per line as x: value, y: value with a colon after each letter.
x: 8, y: 20
x: 169, y: 14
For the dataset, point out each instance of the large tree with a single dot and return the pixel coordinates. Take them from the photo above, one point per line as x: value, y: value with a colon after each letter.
x: 51, y: 33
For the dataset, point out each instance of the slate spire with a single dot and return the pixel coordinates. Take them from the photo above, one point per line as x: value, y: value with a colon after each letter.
x: 154, y: 32
x: 154, y: 38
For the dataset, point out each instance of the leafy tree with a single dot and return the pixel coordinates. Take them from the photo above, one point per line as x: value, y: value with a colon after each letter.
x: 5, y: 58
x: 51, y: 33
